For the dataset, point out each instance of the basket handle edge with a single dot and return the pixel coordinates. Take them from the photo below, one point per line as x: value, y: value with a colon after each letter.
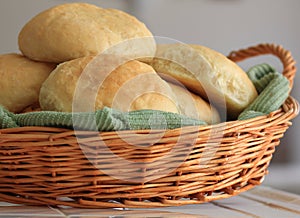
x: 285, y: 56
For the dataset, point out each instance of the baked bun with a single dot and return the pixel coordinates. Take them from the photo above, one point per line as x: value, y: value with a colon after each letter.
x: 194, y: 106
x: 207, y: 73
x: 21, y: 80
x: 81, y: 85
x: 72, y: 30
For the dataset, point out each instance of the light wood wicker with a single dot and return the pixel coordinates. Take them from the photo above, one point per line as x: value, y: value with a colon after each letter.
x: 40, y: 165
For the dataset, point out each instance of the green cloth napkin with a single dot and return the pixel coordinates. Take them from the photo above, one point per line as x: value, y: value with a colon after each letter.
x: 6, y: 119
x: 273, y: 89
x: 107, y: 119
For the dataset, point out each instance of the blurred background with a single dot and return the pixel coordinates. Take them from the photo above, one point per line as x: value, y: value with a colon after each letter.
x: 223, y: 25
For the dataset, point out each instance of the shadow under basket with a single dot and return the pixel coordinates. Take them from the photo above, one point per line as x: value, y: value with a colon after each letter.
x: 144, y: 168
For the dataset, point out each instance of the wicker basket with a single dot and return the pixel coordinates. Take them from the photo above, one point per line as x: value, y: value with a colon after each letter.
x: 190, y: 165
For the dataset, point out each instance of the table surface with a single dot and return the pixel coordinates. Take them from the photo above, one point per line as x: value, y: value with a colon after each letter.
x: 259, y: 202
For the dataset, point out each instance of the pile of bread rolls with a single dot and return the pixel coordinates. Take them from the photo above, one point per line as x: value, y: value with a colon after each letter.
x: 59, y: 44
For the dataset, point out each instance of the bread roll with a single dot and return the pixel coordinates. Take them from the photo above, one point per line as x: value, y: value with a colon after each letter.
x: 72, y: 30
x: 21, y: 80
x: 81, y: 85
x: 194, y: 106
x: 207, y: 73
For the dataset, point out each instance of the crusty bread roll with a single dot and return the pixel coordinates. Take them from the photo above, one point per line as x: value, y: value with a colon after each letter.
x: 131, y: 86
x: 20, y: 81
x: 72, y: 30
x: 194, y: 106
x: 207, y: 73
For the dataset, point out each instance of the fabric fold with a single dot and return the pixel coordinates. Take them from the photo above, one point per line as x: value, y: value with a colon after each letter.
x: 107, y: 119
x: 273, y: 89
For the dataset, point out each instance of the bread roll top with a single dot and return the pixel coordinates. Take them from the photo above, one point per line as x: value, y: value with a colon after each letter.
x: 207, y: 73
x: 72, y: 30
x: 21, y: 80
x: 82, y: 85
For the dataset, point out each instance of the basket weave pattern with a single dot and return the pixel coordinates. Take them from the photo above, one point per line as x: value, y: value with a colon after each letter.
x: 46, y: 166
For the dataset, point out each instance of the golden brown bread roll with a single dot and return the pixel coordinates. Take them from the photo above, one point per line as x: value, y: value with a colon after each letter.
x: 194, y: 106
x: 20, y: 81
x: 72, y: 30
x: 207, y: 73
x: 131, y: 86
